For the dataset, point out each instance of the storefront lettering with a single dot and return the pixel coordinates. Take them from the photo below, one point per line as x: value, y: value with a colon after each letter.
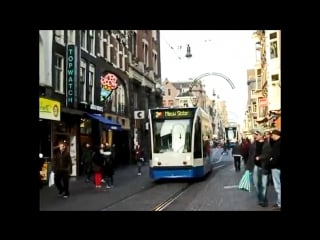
x: 177, y: 113
x: 95, y: 107
x: 70, y: 75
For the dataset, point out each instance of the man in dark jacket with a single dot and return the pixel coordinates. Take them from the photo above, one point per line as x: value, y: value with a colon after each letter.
x: 62, y: 168
x: 86, y: 160
x: 260, y: 179
x: 236, y: 156
x: 275, y: 166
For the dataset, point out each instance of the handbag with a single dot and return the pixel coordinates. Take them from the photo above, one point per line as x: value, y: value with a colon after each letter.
x: 51, y: 179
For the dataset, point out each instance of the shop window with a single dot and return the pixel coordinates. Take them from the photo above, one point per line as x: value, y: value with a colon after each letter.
x: 85, y: 126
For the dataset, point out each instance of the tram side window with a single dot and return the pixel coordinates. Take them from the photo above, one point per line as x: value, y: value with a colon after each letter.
x: 197, y: 139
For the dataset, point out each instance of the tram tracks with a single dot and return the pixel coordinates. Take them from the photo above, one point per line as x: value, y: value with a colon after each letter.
x: 163, y: 205
x: 177, y: 193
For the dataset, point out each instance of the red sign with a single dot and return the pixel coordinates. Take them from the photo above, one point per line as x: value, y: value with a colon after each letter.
x: 263, y: 102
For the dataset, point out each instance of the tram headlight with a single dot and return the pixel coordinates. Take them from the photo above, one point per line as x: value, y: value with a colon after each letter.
x: 188, y: 158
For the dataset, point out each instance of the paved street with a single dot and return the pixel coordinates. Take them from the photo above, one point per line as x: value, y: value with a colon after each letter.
x: 219, y: 193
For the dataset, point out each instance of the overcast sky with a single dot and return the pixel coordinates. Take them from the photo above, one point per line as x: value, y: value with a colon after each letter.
x: 229, y: 52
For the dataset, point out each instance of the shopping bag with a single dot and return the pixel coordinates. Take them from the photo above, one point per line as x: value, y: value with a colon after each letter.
x: 245, y: 183
x: 51, y: 179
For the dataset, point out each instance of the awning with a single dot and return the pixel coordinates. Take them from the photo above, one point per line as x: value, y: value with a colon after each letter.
x: 109, y: 124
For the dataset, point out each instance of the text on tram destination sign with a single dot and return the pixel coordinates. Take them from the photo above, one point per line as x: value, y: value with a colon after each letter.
x: 173, y: 114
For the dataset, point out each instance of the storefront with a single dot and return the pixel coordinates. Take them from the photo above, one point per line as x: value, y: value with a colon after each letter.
x: 66, y: 131
x: 49, y: 113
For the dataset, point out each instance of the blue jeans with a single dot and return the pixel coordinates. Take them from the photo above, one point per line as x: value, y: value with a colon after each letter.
x: 277, y: 184
x: 260, y: 182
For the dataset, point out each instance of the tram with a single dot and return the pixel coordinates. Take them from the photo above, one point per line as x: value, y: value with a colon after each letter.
x: 180, y: 142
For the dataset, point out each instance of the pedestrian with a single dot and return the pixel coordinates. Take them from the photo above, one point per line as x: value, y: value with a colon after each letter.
x: 106, y: 152
x: 86, y: 161
x: 275, y: 166
x: 260, y: 179
x: 62, y: 168
x: 244, y: 149
x: 236, y: 156
x: 139, y: 157
x: 97, y: 167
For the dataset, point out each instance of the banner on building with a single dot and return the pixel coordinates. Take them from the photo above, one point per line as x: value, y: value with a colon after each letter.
x: 71, y: 75
x: 49, y: 109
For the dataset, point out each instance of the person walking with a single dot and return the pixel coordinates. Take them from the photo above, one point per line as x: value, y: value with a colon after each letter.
x: 62, y: 168
x: 106, y: 152
x: 260, y: 179
x: 86, y: 161
x: 236, y: 156
x: 275, y: 166
x: 97, y: 166
x: 139, y: 157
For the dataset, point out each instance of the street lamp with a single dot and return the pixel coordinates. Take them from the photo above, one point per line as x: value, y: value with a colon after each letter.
x: 188, y: 54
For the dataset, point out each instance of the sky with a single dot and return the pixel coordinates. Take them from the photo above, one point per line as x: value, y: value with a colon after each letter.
x: 227, y: 52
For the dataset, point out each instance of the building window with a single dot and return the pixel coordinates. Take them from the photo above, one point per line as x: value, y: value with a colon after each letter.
x: 155, y: 62
x: 273, y: 45
x: 135, y: 100
x: 59, y: 36
x: 275, y: 77
x: 91, y: 82
x: 72, y: 36
x: 101, y: 45
x: 134, y: 44
x: 170, y: 102
x: 273, y: 49
x: 164, y: 102
x: 123, y: 57
x: 259, y: 83
x: 119, y: 55
x: 85, y: 126
x: 84, y: 39
x: 118, y: 100
x: 92, y: 40
x: 185, y: 103
x: 145, y: 53
x: 154, y: 34
x: 42, y: 57
x: 254, y: 107
x: 169, y: 92
x: 59, y: 73
x: 83, y: 81
x: 108, y: 47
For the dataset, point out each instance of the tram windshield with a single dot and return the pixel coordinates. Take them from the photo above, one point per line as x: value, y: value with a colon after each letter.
x: 172, y: 135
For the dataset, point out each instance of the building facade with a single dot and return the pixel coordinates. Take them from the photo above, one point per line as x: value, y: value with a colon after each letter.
x: 264, y: 82
x: 88, y: 74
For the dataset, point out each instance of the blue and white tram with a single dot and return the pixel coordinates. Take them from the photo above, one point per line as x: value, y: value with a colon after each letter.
x: 180, y: 142
x: 232, y: 133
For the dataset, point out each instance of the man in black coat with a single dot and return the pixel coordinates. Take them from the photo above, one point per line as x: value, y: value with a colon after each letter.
x: 62, y: 168
x: 275, y: 166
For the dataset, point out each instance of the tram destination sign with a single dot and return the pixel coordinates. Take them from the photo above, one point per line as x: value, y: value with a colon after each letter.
x: 172, y: 114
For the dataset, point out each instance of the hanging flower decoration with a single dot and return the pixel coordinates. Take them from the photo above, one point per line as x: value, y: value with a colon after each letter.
x: 109, y: 82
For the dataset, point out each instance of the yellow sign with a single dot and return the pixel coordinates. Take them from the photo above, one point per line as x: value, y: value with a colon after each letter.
x: 49, y: 109
x: 44, y: 172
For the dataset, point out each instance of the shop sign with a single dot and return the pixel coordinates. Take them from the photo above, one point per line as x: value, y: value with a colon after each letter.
x: 71, y: 73
x: 49, y: 109
x: 109, y: 83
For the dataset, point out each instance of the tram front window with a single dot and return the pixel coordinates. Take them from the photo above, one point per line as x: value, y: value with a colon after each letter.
x: 172, y: 136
